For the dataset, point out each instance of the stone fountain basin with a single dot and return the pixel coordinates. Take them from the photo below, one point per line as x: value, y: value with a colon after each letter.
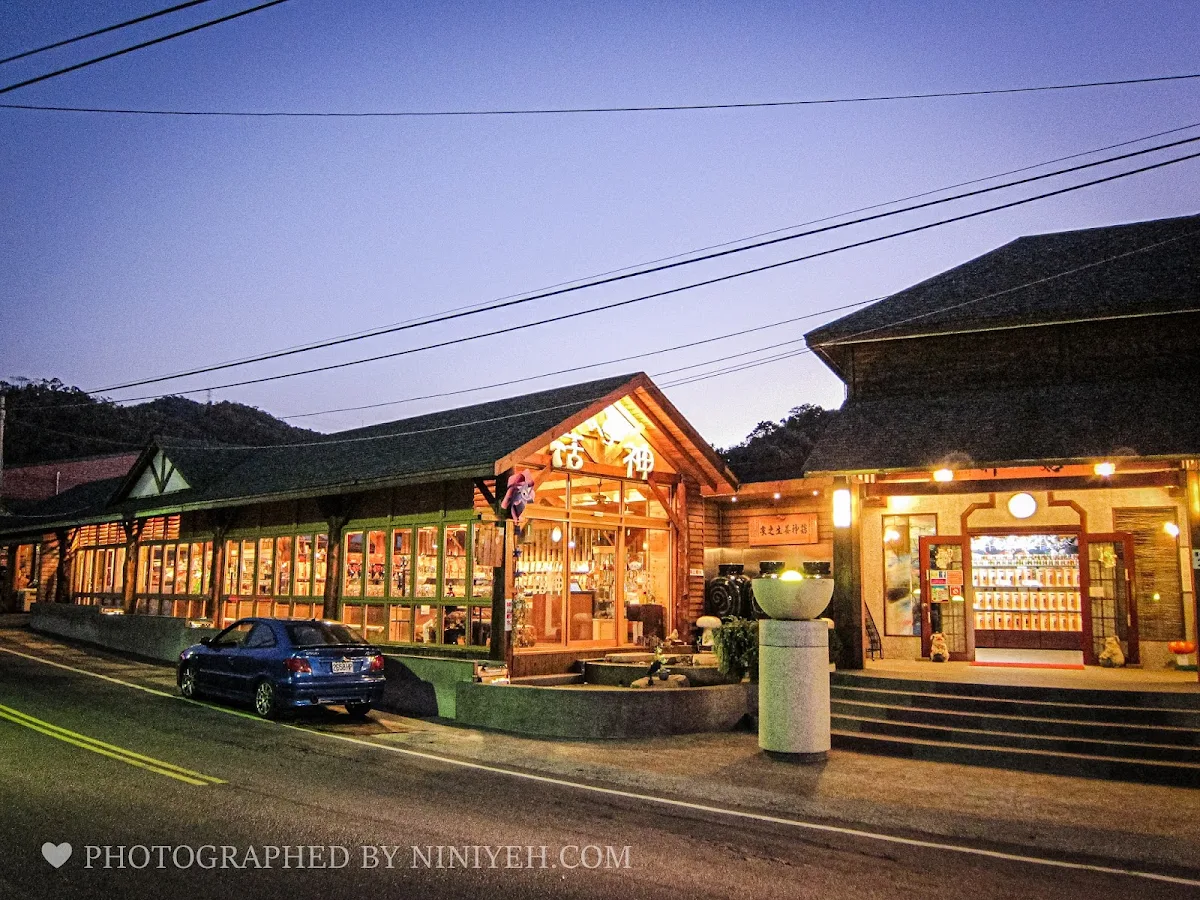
x: 793, y: 600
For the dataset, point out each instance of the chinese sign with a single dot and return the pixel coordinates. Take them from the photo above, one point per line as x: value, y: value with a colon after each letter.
x: 798, y: 528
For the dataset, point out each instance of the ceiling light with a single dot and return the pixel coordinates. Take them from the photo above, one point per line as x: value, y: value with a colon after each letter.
x: 943, y: 475
x: 1171, y: 528
x: 1105, y: 469
x: 1022, y: 505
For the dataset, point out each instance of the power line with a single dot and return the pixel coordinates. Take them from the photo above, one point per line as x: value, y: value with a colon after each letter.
x: 141, y: 46
x: 577, y: 110
x: 622, y: 277
x: 99, y: 31
x: 705, y: 283
x: 384, y: 329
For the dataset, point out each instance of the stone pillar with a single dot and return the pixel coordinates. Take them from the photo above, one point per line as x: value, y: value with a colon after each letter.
x: 793, y: 688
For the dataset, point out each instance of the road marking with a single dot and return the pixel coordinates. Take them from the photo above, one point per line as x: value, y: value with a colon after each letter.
x: 663, y: 801
x: 105, y: 749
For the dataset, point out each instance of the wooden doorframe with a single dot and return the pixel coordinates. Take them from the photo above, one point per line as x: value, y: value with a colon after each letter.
x: 926, y: 619
x: 1113, y: 537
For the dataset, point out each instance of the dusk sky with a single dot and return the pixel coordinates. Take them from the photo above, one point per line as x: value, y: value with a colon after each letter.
x: 136, y: 246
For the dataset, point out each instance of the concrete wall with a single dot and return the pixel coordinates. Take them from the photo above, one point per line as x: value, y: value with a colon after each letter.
x: 592, y: 713
x: 425, y: 686
x: 153, y: 637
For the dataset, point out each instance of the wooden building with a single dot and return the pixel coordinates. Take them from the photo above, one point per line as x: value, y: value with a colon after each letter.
x: 1016, y: 464
x: 401, y: 529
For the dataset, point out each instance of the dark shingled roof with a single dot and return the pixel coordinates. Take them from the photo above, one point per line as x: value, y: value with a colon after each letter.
x: 1156, y: 270
x: 1053, y: 422
x: 80, y: 503
x: 464, y: 442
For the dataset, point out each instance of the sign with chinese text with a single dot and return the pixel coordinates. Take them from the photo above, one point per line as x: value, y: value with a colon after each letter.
x: 797, y: 528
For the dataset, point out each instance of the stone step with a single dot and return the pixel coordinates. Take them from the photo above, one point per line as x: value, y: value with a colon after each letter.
x: 1075, y: 746
x: 1149, y: 699
x: 1079, y: 765
x: 1116, y: 732
x: 1023, y: 707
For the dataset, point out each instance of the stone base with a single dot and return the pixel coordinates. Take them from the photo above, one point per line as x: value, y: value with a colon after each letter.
x: 807, y: 759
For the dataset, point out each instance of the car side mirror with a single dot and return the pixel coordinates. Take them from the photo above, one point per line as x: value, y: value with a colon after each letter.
x: 206, y: 641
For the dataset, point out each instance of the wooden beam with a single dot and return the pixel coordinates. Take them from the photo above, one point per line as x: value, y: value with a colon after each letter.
x: 1005, y: 485
x: 688, y: 459
x: 666, y: 504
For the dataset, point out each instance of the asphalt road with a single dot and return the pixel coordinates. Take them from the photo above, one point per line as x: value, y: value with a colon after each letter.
x: 215, y: 795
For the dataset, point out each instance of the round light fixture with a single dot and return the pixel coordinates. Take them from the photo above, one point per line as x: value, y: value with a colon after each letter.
x: 1171, y: 528
x: 1022, y: 506
x: 556, y: 534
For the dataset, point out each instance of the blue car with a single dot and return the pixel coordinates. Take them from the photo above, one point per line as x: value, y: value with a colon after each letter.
x: 282, y: 664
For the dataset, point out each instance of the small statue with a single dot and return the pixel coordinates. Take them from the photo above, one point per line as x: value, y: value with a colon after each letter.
x: 1112, y: 657
x: 518, y: 496
x: 938, y: 649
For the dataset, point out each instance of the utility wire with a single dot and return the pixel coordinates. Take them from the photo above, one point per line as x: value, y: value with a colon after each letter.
x: 635, y: 274
x: 99, y: 31
x: 577, y: 110
x: 705, y: 283
x: 141, y: 46
x: 383, y: 329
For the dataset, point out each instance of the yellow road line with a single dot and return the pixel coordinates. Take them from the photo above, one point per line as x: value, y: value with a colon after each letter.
x: 105, y: 749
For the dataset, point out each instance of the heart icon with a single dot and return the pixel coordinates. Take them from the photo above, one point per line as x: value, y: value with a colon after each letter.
x: 56, y: 854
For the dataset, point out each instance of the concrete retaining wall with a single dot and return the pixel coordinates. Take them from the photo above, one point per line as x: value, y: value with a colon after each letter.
x: 591, y: 712
x: 153, y: 637
x: 424, y: 685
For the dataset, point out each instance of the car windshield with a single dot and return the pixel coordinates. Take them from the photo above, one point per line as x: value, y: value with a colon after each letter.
x: 321, y: 634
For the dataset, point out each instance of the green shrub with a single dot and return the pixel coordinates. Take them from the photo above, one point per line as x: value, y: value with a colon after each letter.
x: 736, y: 646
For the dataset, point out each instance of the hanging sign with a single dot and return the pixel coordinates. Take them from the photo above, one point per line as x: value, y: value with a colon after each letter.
x: 795, y: 528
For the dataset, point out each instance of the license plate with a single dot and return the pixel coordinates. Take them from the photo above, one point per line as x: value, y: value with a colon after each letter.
x: 342, y: 666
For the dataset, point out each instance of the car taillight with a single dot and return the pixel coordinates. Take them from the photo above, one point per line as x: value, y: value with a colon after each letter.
x: 298, y: 665
x: 377, y: 664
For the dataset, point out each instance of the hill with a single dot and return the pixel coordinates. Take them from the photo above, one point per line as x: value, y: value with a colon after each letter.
x: 47, y: 420
x: 775, y: 451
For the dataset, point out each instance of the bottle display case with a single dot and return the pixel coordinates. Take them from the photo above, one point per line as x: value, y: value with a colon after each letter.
x: 1026, y: 592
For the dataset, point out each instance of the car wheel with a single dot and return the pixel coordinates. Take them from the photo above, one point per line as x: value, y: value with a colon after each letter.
x: 265, y: 702
x: 187, y: 682
x: 358, y: 709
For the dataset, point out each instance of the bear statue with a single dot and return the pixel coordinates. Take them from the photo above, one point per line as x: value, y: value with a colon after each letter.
x: 938, y: 650
x: 1111, y: 657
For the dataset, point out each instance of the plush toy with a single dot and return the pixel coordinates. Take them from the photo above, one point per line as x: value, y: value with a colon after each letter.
x: 938, y: 651
x: 518, y: 496
x: 1111, y: 656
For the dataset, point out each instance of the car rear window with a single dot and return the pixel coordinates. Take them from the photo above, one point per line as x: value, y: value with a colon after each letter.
x: 321, y: 634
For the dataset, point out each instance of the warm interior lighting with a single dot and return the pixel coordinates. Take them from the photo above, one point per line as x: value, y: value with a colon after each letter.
x: 841, y: 508
x: 901, y: 504
x: 890, y: 536
x: 791, y: 575
x: 943, y: 475
x: 1171, y: 528
x: 733, y: 499
x: 1022, y: 505
x: 1105, y: 469
x: 556, y: 534
x: 778, y: 495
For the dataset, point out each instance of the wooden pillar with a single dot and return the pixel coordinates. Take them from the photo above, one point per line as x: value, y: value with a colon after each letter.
x: 216, y: 577
x: 1193, y: 518
x: 846, y: 607
x: 333, y: 567
x: 502, y: 580
x: 8, y: 593
x: 66, y: 556
x: 133, y: 533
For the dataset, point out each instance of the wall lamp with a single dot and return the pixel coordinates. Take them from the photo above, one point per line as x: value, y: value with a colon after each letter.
x: 841, y: 508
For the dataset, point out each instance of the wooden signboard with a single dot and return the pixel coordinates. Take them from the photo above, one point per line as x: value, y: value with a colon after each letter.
x: 797, y: 528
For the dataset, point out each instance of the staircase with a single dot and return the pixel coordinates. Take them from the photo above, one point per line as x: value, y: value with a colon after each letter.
x: 1145, y: 736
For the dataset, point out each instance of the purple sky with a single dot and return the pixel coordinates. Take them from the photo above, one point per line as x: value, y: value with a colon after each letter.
x: 136, y: 246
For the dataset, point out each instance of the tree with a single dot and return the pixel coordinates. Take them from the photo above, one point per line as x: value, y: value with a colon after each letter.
x: 778, y: 450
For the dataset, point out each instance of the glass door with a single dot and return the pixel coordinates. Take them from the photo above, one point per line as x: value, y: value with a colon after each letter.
x: 1111, y: 605
x: 943, y: 597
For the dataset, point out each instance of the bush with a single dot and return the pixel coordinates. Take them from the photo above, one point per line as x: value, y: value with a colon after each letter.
x: 736, y: 646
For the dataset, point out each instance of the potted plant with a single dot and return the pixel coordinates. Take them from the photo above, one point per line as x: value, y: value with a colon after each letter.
x: 736, y: 646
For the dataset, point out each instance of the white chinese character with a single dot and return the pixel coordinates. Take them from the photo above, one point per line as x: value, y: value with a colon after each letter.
x: 640, y: 460
x: 567, y: 452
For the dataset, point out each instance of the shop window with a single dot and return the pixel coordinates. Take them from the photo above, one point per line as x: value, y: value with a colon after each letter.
x: 375, y: 624
x: 595, y: 496
x: 266, y: 567
x: 156, y: 569
x: 538, y: 606
x: 400, y: 624
x: 402, y: 563
x: 427, y: 561
x: 181, y: 569
x: 591, y: 598
x: 196, y: 569
x: 119, y: 571
x: 304, y: 549
x: 480, y: 626
x: 641, y: 501
x: 487, y: 554
x: 320, y: 564
x: 232, y: 559
x: 143, y: 569
x: 454, y: 564
x: 283, y: 566
x: 646, y: 583
x: 247, y: 571
x: 426, y: 624
x: 376, y: 563
x: 352, y: 566
x: 168, y: 570
x: 902, y: 571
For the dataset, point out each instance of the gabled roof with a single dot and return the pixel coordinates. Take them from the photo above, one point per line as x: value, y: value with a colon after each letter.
x: 468, y: 442
x: 83, y: 503
x: 985, y: 429
x: 1138, y: 269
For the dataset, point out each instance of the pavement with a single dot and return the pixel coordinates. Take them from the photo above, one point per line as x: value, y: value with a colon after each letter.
x: 1144, y: 826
